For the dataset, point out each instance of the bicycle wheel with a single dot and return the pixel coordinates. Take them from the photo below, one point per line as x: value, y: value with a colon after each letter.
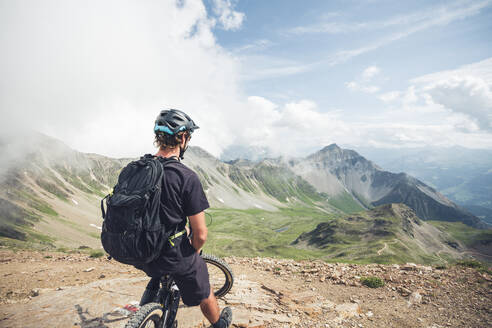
x: 149, y: 316
x: 220, y: 275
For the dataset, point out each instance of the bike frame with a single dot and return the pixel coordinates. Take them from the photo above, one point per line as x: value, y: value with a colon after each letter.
x: 168, y: 296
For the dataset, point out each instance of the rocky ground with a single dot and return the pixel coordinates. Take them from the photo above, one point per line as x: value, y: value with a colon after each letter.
x: 42, y: 289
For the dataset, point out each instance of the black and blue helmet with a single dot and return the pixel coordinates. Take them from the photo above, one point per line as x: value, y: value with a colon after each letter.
x: 172, y: 121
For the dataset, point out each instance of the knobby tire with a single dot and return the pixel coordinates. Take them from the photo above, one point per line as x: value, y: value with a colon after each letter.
x: 221, y: 280
x: 220, y: 274
x: 150, y: 312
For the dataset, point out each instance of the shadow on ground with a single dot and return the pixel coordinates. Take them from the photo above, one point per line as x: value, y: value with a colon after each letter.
x: 89, y: 321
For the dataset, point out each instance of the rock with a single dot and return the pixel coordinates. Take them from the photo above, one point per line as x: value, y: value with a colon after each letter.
x: 425, y: 268
x: 89, y: 269
x: 369, y: 314
x: 415, y: 298
x: 268, y: 289
x: 336, y: 275
x: 409, y: 267
x: 34, y: 293
x: 311, y: 311
x: 403, y: 291
x: 326, y: 305
x: 102, y: 276
x: 348, y: 310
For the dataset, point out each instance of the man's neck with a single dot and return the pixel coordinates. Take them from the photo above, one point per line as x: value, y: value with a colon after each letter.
x: 168, y: 152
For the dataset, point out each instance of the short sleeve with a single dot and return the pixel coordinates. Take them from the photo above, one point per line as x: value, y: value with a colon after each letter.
x: 194, y: 199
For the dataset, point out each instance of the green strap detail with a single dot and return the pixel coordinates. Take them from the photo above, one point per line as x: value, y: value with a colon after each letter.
x: 176, y: 236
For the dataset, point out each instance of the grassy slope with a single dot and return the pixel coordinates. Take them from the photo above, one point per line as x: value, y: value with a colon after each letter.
x: 356, y: 238
x: 345, y: 202
x: 467, y: 235
x: 253, y: 232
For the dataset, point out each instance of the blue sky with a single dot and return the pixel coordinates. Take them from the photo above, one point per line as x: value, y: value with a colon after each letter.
x: 291, y: 76
x: 308, y: 35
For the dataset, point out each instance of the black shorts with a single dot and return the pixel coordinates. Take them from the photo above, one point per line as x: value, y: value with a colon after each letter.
x: 187, y: 268
x: 194, y: 285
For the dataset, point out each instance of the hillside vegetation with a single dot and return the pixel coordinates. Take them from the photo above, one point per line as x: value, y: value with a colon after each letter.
x: 317, y: 207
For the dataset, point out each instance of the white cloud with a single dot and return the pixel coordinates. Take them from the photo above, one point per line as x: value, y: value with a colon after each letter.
x: 466, y: 90
x: 465, y: 94
x: 259, y: 44
x: 96, y: 76
x: 411, y: 24
x: 390, y: 96
x: 481, y: 69
x: 261, y: 67
x: 431, y: 16
x: 370, y: 72
x: 363, y: 82
x: 228, y: 17
x: 354, y: 86
x: 292, y: 129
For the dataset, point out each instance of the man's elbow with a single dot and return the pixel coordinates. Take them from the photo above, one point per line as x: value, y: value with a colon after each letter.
x: 202, y: 235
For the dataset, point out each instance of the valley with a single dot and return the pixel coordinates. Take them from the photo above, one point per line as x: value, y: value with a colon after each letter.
x: 333, y: 205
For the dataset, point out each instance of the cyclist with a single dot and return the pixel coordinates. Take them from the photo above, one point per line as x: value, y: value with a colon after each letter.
x: 182, y: 198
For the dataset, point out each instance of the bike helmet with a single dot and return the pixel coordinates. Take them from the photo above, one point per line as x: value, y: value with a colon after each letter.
x: 172, y: 121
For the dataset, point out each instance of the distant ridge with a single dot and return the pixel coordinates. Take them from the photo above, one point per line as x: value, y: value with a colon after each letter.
x: 51, y: 193
x: 335, y: 171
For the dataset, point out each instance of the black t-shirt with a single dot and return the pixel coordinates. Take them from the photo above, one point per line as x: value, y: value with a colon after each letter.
x: 182, y: 195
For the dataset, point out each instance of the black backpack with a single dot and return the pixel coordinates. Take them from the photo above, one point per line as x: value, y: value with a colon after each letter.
x: 132, y: 231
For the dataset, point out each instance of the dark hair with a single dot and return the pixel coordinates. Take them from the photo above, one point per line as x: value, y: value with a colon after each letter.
x: 164, y: 140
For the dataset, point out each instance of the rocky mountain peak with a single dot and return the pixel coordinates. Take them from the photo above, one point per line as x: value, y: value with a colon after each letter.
x: 331, y: 148
x: 334, y: 153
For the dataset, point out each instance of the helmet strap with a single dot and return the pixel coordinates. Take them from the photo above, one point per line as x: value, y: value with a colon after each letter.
x: 182, y: 151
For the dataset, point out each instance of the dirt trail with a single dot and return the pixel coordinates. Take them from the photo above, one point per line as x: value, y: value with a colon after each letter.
x: 60, y: 290
x: 382, y: 249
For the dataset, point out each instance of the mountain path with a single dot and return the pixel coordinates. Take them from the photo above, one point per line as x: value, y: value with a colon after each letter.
x: 73, y: 290
x: 382, y: 249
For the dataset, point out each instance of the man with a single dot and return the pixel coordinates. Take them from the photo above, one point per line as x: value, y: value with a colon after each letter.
x: 182, y: 198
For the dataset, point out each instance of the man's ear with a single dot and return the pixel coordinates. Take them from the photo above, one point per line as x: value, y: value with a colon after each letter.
x: 184, y: 139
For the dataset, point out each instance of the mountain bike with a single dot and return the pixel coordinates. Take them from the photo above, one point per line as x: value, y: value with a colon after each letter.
x: 162, y: 312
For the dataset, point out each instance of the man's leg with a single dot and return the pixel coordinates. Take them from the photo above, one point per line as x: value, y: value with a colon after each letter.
x: 210, y: 308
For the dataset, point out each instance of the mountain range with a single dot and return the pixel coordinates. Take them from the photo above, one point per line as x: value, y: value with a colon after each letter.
x: 463, y: 175
x: 50, y: 193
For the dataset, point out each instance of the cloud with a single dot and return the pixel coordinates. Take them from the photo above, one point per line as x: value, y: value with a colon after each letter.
x: 411, y: 24
x: 481, y: 69
x: 370, y: 72
x: 230, y: 19
x: 96, y: 76
x: 293, y: 128
x: 467, y: 95
x: 389, y: 96
x: 354, y: 86
x: 466, y: 90
x: 363, y: 82
x: 260, y: 44
x: 262, y: 67
x: 431, y: 16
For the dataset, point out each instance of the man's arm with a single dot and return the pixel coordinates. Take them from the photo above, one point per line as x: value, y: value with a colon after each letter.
x: 199, y: 228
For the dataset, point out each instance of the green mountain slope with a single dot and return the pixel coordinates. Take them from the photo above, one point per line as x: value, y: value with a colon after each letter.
x: 386, y: 234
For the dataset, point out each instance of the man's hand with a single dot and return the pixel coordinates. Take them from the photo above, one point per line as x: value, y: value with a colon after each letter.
x: 200, y: 231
